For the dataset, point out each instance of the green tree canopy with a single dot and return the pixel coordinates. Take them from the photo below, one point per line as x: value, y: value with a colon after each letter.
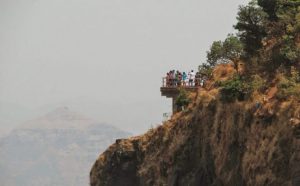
x: 250, y: 24
x: 226, y: 51
x: 268, y: 34
x: 270, y: 7
x: 284, y: 25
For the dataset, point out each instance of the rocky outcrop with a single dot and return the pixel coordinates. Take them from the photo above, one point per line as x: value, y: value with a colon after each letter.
x: 211, y: 143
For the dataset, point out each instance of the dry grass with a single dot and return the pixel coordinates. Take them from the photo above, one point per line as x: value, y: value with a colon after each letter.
x: 212, y: 143
x: 223, y: 72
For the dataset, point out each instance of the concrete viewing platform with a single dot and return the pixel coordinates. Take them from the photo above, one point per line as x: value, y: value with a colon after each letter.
x: 173, y: 92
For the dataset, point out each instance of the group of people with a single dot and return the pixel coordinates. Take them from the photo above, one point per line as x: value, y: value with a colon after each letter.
x: 177, y: 79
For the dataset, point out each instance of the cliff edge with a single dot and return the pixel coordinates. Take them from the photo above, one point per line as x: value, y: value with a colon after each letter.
x: 210, y: 143
x: 241, y: 128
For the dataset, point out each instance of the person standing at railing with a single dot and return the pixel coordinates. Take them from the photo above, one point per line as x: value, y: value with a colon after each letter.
x: 167, y: 83
x: 178, y: 78
x: 201, y: 82
x: 170, y: 79
x: 184, y: 78
x: 191, y: 78
x: 173, y: 78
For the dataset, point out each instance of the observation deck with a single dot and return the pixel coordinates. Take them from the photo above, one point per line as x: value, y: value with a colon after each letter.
x: 172, y: 91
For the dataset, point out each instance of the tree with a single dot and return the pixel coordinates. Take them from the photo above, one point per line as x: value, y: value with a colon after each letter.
x: 224, y: 52
x: 268, y: 33
x: 288, y: 17
x: 205, y: 70
x: 183, y: 99
x: 215, y: 54
x: 270, y: 7
x: 251, y: 27
x: 285, y: 28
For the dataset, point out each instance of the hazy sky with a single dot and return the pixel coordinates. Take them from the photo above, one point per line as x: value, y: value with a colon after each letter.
x: 111, y: 53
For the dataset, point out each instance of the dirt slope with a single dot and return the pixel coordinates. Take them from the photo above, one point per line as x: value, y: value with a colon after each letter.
x: 212, y: 143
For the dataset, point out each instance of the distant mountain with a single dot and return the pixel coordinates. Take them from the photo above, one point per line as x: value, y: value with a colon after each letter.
x: 11, y: 114
x: 57, y: 149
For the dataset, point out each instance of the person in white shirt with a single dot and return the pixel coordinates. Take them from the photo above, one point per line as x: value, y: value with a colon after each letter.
x: 191, y: 78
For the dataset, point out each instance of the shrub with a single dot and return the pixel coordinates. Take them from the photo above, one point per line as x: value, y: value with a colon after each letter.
x: 183, y: 99
x: 289, y: 50
x: 258, y: 83
x: 234, y: 89
x: 288, y: 86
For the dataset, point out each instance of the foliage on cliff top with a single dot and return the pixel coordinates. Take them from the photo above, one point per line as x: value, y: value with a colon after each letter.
x: 267, y: 29
x: 267, y: 42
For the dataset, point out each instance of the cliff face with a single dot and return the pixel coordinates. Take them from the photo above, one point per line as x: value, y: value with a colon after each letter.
x: 210, y: 144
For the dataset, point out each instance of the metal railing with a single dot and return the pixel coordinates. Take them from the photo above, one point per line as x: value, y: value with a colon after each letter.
x: 173, y: 83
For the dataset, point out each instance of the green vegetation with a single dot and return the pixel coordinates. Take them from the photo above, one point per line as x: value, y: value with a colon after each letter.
x: 233, y: 89
x: 205, y: 70
x: 267, y: 29
x: 267, y: 42
x: 258, y: 83
x: 183, y: 99
x: 250, y: 24
x: 289, y: 86
x: 224, y: 52
x: 239, y: 88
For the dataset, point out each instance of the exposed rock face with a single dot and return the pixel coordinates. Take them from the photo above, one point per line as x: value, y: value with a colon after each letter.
x: 57, y: 149
x: 212, y: 143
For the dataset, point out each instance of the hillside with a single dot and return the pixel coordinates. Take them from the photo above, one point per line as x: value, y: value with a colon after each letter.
x: 54, y: 149
x: 242, y: 127
x: 211, y: 143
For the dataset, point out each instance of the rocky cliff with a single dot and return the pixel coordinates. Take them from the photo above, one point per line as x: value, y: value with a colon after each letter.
x: 211, y: 143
